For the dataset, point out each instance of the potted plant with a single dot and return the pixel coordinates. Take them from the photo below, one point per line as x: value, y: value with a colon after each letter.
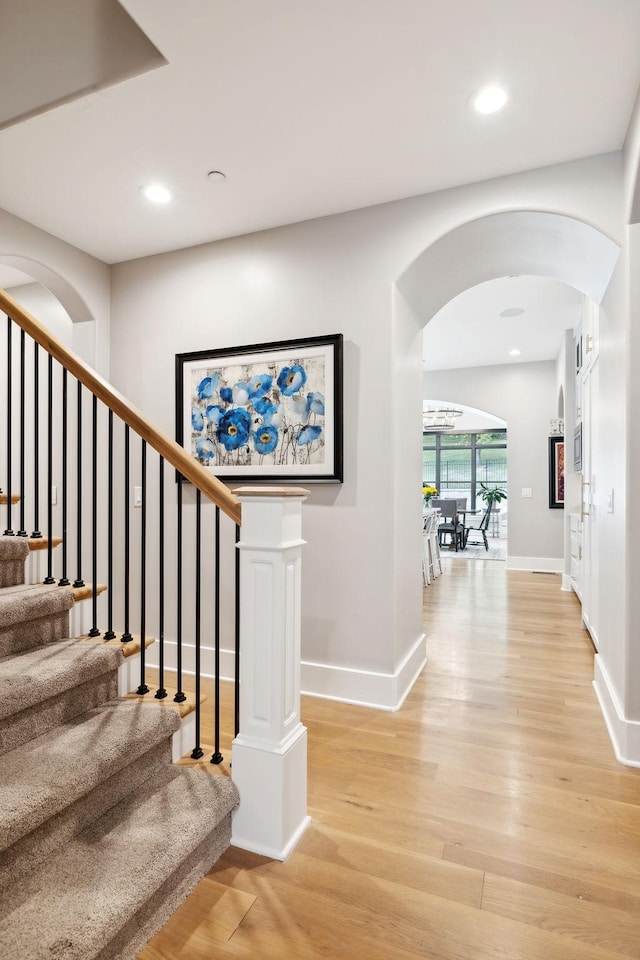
x: 492, y: 495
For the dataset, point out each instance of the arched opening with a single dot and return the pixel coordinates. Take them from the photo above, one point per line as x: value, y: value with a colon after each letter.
x: 510, y: 245
x: 52, y: 300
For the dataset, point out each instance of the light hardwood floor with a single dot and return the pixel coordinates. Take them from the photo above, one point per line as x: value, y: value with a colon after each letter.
x: 488, y: 818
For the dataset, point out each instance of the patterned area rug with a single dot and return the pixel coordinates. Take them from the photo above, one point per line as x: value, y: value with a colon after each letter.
x: 476, y: 551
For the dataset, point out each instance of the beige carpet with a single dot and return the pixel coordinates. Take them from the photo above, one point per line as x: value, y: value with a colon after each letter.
x: 101, y: 836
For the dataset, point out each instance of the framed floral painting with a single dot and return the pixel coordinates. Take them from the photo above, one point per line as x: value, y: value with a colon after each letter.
x: 269, y: 411
x: 556, y: 473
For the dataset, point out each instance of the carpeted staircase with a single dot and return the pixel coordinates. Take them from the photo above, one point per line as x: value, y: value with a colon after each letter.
x: 101, y: 837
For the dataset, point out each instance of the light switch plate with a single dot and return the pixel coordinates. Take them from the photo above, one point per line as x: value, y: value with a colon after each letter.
x: 527, y: 493
x: 137, y: 496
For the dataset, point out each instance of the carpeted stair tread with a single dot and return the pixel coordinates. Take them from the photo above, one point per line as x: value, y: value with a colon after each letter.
x: 35, y: 675
x: 13, y: 548
x: 51, y: 772
x: 26, y: 602
x: 81, y: 900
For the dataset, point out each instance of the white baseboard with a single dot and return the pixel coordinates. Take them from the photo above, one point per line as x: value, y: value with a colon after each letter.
x: 624, y: 734
x: 384, y: 691
x: 207, y: 654
x: 566, y: 583
x: 543, y: 564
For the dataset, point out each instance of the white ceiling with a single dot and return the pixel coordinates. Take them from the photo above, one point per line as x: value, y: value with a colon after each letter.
x: 469, y: 331
x: 313, y: 108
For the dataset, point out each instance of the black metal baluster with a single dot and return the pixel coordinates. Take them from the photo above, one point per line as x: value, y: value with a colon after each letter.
x: 180, y: 697
x: 197, y: 751
x: 79, y: 582
x: 161, y: 693
x: 36, y: 533
x: 126, y: 636
x: 22, y: 531
x: 94, y: 632
x: 110, y: 634
x: 9, y: 531
x: 143, y: 688
x: 49, y: 577
x: 217, y: 756
x: 64, y: 580
x: 236, y: 699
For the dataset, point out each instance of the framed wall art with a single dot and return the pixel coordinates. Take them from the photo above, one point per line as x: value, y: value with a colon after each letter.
x: 269, y: 411
x: 556, y: 472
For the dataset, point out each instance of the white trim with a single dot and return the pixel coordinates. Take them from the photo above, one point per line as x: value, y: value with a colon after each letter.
x: 543, y: 564
x: 381, y: 691
x: 567, y: 586
x: 624, y: 734
x: 367, y: 688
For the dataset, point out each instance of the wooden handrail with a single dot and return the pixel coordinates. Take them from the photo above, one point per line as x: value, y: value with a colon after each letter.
x: 173, y: 453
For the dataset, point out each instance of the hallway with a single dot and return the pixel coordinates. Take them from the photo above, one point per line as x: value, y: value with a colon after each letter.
x: 488, y: 818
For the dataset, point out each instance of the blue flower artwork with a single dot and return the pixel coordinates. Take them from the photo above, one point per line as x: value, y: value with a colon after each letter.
x: 264, y: 413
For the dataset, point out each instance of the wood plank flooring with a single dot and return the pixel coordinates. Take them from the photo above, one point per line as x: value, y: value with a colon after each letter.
x: 488, y: 818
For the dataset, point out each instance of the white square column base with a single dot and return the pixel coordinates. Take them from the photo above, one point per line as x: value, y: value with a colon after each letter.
x: 272, y: 815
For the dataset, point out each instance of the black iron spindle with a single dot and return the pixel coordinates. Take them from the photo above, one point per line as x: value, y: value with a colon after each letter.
x: 94, y: 632
x: 216, y: 756
x: 109, y: 633
x: 22, y: 531
x: 49, y: 577
x: 180, y: 696
x: 79, y: 582
x: 64, y: 580
x: 197, y: 751
x: 236, y: 699
x: 143, y: 688
x: 9, y: 531
x: 161, y: 693
x: 36, y: 533
x: 126, y: 636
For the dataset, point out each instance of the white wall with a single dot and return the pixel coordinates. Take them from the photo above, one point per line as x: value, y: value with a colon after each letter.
x: 330, y: 275
x: 78, y: 281
x: 525, y: 395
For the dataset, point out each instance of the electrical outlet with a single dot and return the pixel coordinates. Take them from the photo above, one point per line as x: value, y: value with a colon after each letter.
x: 137, y: 496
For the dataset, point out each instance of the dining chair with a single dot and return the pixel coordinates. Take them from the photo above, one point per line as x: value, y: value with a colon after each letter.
x: 481, y: 528
x: 431, y: 565
x: 450, y: 524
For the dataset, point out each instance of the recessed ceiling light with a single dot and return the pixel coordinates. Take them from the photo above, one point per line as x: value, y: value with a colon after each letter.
x: 156, y: 193
x: 512, y: 312
x: 216, y: 176
x: 514, y: 353
x: 489, y: 99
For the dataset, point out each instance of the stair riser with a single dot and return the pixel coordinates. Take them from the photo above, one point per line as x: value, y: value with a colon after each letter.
x: 134, y: 936
x: 28, y: 724
x: 24, y: 856
x: 11, y: 573
x: 24, y: 636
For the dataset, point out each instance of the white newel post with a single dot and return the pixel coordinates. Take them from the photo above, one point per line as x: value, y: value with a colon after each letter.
x: 269, y: 755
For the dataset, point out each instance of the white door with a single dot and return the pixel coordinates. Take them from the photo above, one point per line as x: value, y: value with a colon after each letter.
x: 590, y: 500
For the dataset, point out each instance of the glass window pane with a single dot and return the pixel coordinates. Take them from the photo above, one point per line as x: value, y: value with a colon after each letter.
x: 429, y: 467
x: 455, y: 474
x: 456, y: 440
x: 498, y: 436
x: 428, y: 440
x: 492, y: 467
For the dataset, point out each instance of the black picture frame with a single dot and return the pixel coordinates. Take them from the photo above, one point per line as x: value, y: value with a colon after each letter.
x: 266, y: 411
x: 556, y: 473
